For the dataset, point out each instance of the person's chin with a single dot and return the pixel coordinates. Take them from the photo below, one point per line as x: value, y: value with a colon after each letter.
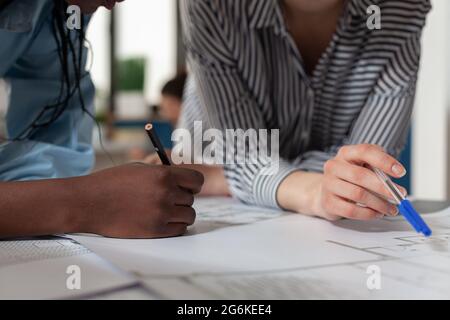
x: 109, y: 4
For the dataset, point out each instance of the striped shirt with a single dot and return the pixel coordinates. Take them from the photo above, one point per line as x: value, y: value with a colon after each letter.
x: 249, y: 73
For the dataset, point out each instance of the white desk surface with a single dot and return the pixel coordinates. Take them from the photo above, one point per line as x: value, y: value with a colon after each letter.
x: 240, y: 252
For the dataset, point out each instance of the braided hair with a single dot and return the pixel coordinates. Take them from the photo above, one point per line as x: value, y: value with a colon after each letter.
x: 70, y: 55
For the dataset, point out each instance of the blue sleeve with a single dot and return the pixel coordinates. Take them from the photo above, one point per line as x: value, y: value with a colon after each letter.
x: 30, y: 66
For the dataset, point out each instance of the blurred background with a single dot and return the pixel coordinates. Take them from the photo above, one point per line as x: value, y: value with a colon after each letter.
x: 138, y: 49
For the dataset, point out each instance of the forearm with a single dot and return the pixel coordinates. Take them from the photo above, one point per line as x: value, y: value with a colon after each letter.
x: 37, y: 208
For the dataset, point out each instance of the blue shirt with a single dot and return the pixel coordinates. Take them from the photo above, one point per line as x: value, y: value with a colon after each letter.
x: 31, y: 72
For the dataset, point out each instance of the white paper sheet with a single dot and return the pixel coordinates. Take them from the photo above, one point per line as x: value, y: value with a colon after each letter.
x: 37, y: 269
x: 277, y: 255
x: 346, y: 281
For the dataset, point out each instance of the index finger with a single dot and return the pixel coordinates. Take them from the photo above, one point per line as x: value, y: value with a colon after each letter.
x: 374, y: 156
x: 188, y: 179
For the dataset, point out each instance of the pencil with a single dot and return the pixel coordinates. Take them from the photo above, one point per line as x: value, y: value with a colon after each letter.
x: 157, y: 144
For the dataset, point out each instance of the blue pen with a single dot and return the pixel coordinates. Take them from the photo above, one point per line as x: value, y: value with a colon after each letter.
x: 404, y: 206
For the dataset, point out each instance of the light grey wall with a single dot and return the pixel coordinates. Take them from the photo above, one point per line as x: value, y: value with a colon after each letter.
x: 430, y: 125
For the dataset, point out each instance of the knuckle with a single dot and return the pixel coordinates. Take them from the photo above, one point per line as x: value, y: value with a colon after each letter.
x: 170, y: 195
x: 356, y: 177
x: 162, y: 173
x: 387, y: 161
x: 199, y: 178
x: 359, y: 194
x: 350, y: 211
x: 182, y: 199
x: 191, y: 199
x: 329, y: 166
x: 378, y: 147
x: 343, y: 150
x: 365, y: 148
x: 380, y: 189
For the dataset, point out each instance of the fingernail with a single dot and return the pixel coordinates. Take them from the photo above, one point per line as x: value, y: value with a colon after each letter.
x: 399, y: 170
x: 393, y: 211
x: 404, y: 192
x: 380, y: 216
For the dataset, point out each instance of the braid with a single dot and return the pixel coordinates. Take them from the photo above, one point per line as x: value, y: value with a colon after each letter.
x: 66, y: 47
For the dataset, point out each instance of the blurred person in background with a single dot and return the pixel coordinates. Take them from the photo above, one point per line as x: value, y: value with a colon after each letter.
x: 169, y: 110
x: 172, y: 99
x: 183, y: 113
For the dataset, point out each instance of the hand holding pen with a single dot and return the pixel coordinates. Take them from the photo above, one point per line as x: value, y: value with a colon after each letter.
x: 355, y: 185
x: 348, y: 189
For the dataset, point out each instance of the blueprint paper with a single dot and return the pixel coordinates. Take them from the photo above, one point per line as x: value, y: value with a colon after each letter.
x: 235, y: 251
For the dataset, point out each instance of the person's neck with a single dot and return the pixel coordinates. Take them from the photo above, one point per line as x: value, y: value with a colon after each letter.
x: 310, y: 11
x: 298, y: 14
x: 312, y: 25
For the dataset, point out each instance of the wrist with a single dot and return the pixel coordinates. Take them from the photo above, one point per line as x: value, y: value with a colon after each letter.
x: 75, y: 206
x: 300, y: 192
